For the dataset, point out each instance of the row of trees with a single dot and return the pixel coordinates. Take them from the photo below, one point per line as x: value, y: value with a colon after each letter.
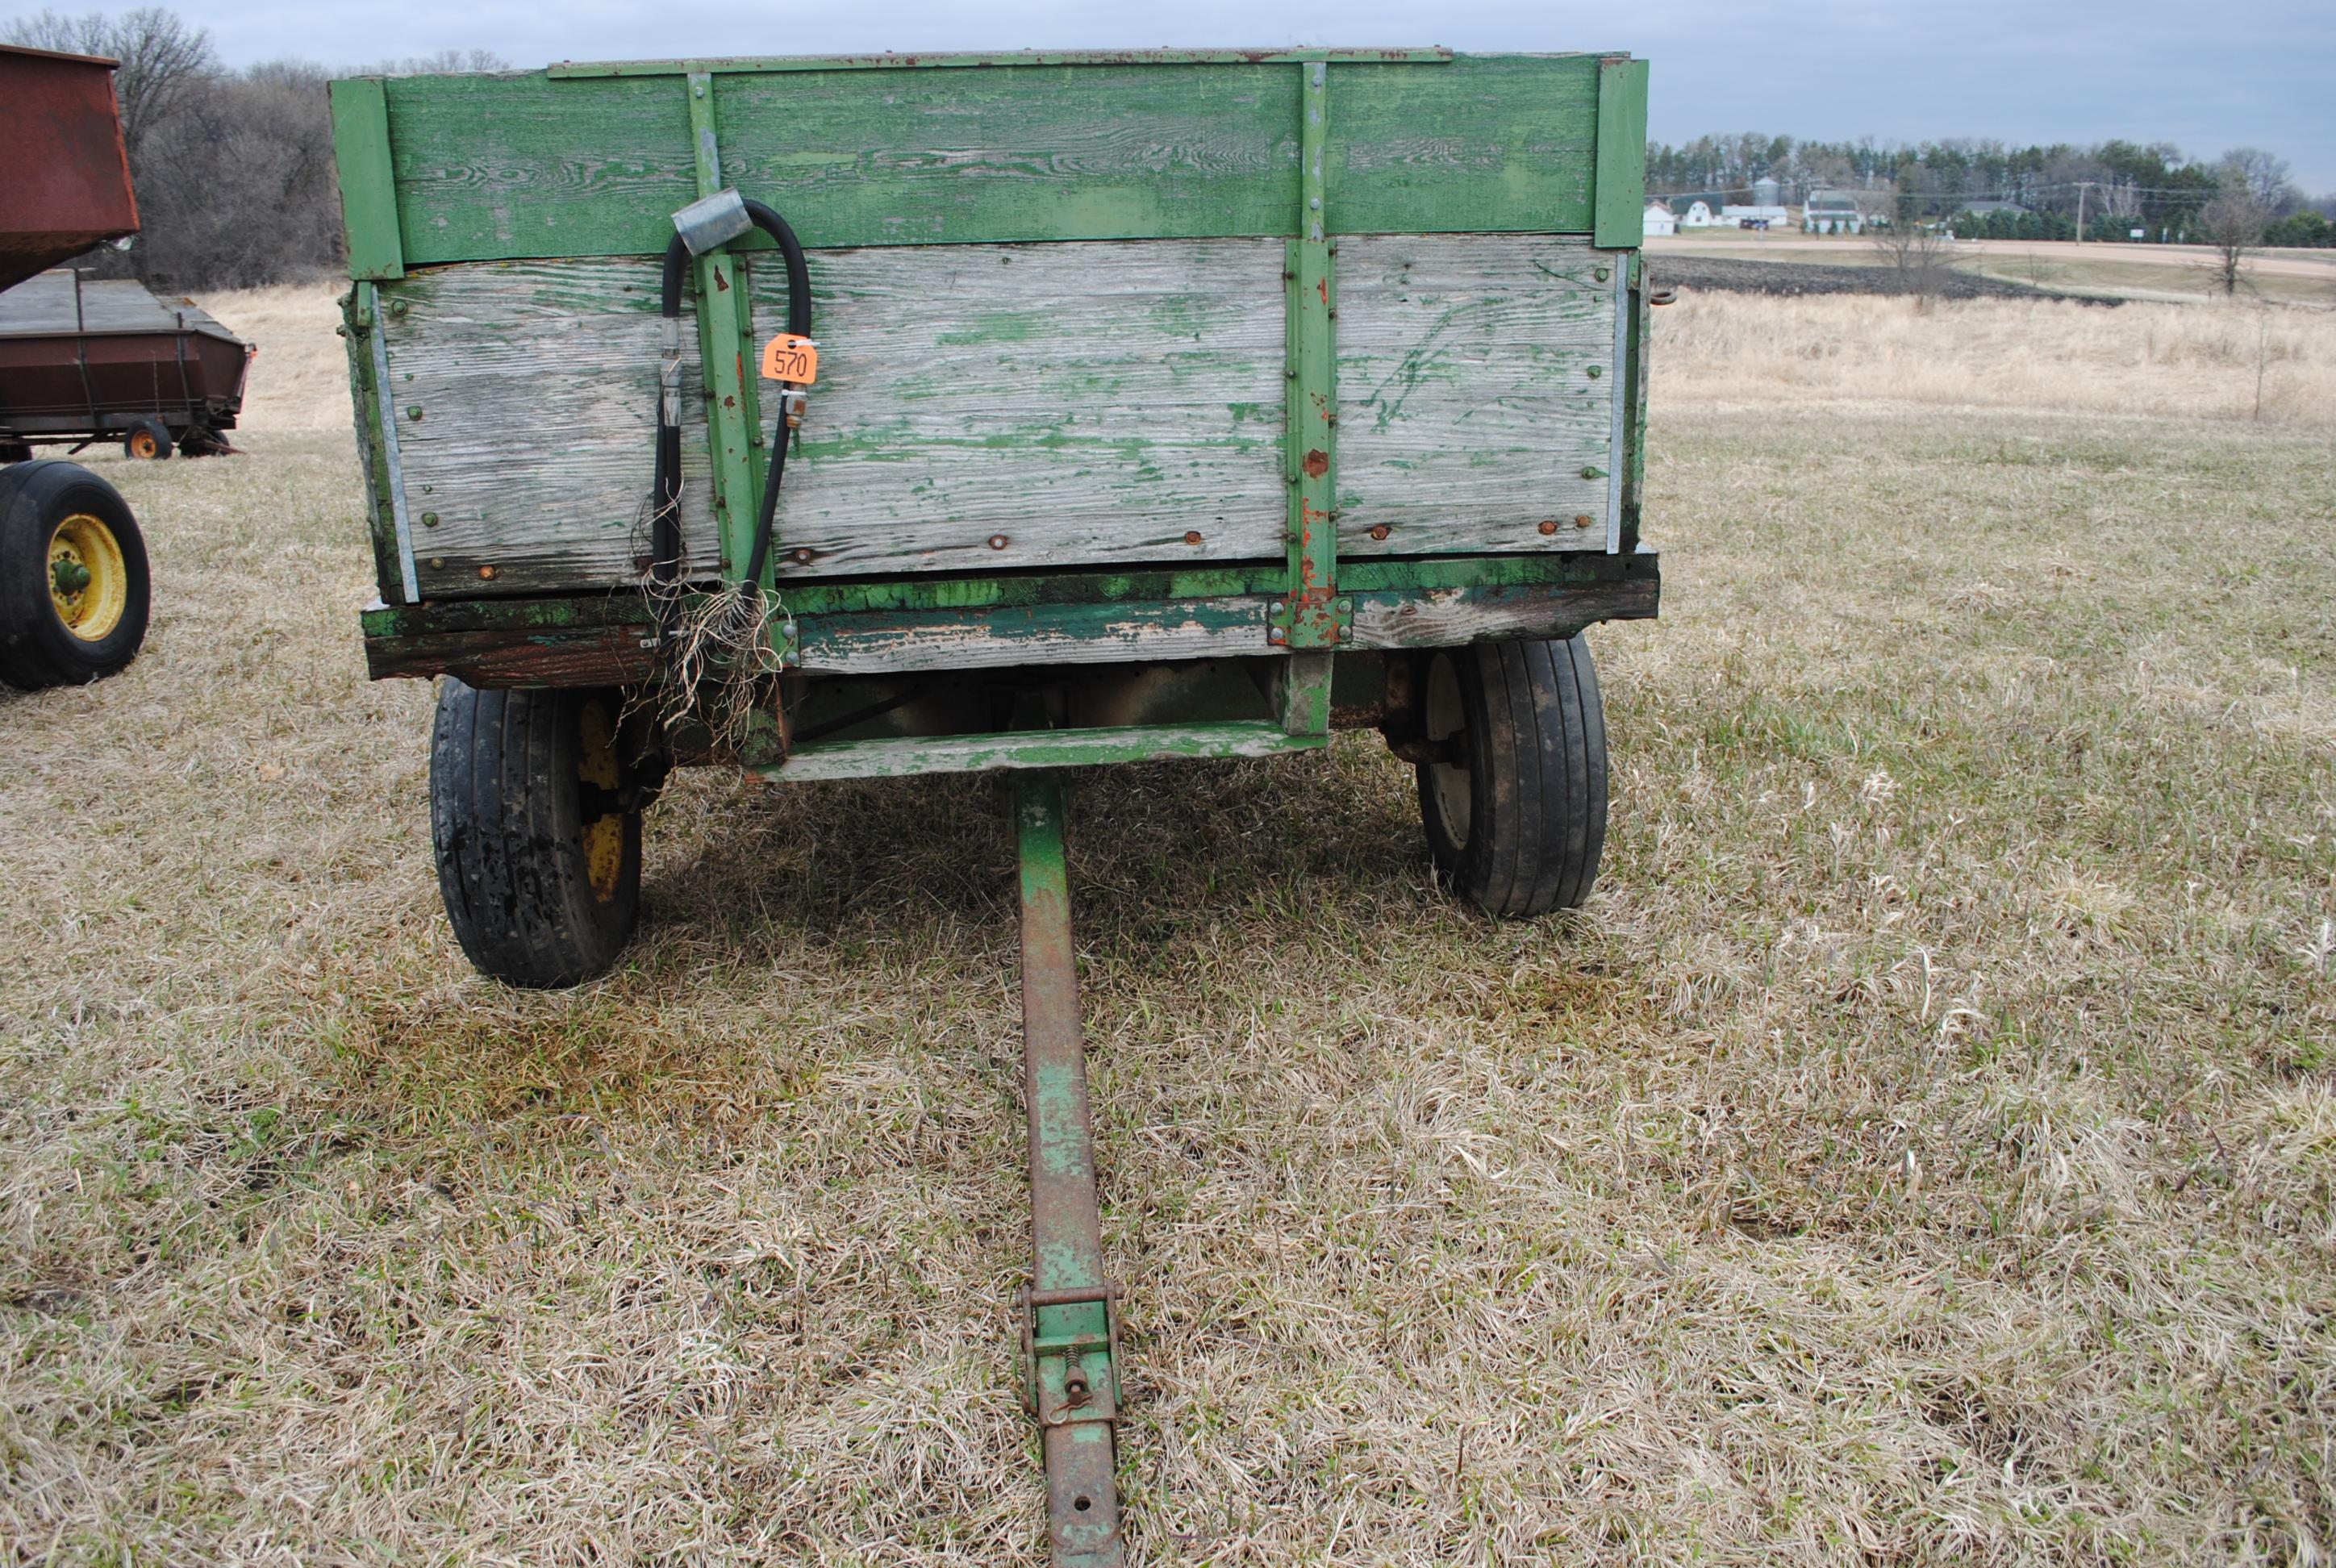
x: 235, y: 182
x: 233, y: 169
x: 2116, y: 187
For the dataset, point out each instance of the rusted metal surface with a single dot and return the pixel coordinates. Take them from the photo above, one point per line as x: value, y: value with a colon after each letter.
x: 1069, y: 1314
x: 83, y: 358
x: 67, y: 182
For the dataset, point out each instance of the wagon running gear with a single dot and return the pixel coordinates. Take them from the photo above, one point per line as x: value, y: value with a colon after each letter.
x: 1515, y: 800
x: 73, y: 579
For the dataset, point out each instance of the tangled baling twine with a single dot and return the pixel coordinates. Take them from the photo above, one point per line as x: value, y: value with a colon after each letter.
x: 713, y: 648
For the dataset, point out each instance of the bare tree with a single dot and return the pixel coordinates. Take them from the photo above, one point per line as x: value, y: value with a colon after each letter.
x: 2231, y: 225
x: 446, y: 62
x: 163, y: 59
x: 2265, y: 177
x: 1916, y: 246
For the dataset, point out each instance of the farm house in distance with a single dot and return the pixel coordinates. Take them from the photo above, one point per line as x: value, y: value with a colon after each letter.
x: 1767, y: 207
x: 1659, y: 220
x: 1832, y: 212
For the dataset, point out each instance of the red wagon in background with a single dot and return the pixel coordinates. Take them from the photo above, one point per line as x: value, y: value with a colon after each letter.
x: 74, y: 577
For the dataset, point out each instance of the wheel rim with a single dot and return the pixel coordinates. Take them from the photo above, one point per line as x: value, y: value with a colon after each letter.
x: 141, y: 443
x: 1446, y: 719
x: 597, y: 770
x: 88, y: 582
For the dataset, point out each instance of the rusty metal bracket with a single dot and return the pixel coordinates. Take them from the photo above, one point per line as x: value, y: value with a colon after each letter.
x: 1305, y: 620
x: 1072, y: 1377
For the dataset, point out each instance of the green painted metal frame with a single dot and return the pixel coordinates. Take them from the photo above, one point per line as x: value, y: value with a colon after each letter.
x: 1070, y: 1318
x: 895, y: 756
x: 726, y: 331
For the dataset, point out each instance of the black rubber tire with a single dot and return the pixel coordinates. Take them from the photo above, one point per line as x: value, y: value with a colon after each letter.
x: 144, y: 431
x: 1516, y: 820
x: 509, y: 808
x: 37, y: 647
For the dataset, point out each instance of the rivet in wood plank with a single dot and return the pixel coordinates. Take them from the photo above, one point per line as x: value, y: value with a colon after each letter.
x: 1582, y: 520
x: 1549, y: 525
x: 398, y: 307
x: 801, y: 558
x: 999, y: 542
x: 1192, y: 536
x: 415, y: 412
x: 437, y: 563
x: 429, y: 520
x: 487, y: 573
x: 1275, y: 634
x: 1379, y: 530
x: 1603, y: 275
x: 1595, y: 372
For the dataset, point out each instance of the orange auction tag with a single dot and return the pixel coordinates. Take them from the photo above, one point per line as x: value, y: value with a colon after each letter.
x: 787, y: 357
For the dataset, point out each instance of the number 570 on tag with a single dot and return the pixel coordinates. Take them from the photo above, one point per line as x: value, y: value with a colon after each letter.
x: 787, y: 357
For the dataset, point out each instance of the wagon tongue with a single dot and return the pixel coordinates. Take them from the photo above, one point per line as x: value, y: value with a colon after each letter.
x: 1070, y: 1314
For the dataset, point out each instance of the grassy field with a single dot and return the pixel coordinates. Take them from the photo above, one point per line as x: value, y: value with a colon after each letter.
x: 1920, y: 1150
x: 2298, y: 277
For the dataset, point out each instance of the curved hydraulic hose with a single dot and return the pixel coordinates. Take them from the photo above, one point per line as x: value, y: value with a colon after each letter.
x: 665, y: 536
x: 798, y: 323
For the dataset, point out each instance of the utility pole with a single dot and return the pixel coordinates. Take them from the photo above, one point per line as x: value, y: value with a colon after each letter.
x: 2082, y: 186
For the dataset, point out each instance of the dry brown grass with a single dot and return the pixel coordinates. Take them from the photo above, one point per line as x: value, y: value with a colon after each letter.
x: 2050, y: 356
x: 1921, y: 1151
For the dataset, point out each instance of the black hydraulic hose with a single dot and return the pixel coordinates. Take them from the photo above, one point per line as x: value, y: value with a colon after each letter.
x: 798, y: 323
x: 665, y: 491
x: 665, y: 536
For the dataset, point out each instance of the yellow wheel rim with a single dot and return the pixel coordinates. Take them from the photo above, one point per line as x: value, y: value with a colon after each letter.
x: 141, y: 443
x: 604, y: 836
x: 88, y: 582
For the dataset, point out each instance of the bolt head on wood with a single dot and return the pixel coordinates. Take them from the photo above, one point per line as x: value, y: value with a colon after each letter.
x: 999, y: 542
x: 1549, y: 525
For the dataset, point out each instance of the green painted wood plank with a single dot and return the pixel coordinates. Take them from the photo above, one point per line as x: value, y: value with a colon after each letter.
x: 1621, y: 193
x: 956, y: 595
x: 894, y: 756
x: 368, y: 184
x: 529, y: 165
x: 882, y: 641
x: 1089, y: 57
x: 1490, y: 142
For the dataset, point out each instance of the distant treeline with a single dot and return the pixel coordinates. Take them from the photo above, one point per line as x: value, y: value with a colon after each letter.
x: 233, y: 169
x: 235, y: 187
x: 2118, y: 186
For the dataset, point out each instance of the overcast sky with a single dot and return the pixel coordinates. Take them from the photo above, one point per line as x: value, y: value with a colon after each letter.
x: 2206, y: 76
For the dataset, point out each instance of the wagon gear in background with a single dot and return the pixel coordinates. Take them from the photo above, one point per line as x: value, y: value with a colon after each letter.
x: 1123, y: 455
x: 78, y: 362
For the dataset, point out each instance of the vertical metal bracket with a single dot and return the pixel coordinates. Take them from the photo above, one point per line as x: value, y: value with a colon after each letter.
x: 1313, y: 618
x: 368, y: 305
x: 1619, y: 387
x: 726, y: 330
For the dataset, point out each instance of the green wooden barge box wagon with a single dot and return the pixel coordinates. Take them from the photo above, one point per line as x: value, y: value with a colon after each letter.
x: 837, y: 418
